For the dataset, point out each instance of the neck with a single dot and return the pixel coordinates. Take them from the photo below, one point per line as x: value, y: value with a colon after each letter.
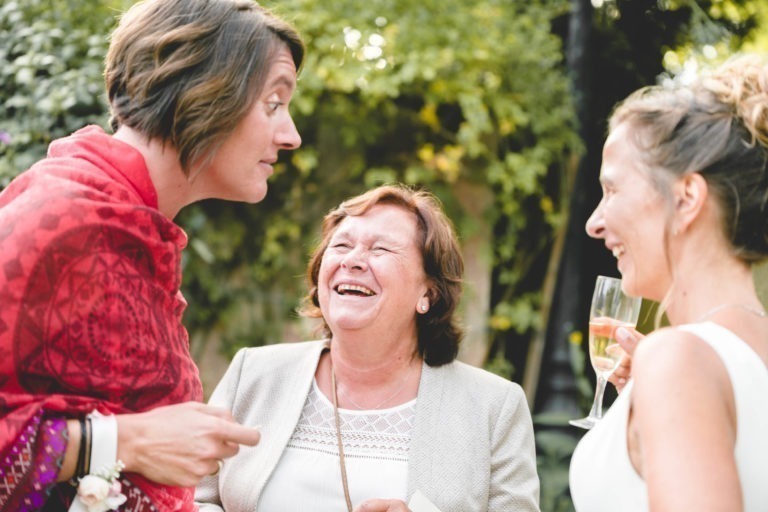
x: 372, y: 382
x: 358, y: 362
x: 706, y: 274
x: 174, y: 190
x: 704, y: 289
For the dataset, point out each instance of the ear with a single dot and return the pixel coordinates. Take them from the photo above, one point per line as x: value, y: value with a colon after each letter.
x: 425, y: 302
x: 690, y: 195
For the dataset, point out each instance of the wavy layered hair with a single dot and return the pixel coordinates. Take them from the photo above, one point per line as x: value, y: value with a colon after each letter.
x: 438, y: 331
x: 185, y: 72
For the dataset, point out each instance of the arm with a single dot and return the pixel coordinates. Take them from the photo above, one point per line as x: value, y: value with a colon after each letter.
x: 180, y: 444
x: 684, y: 426
x: 514, y: 480
x: 172, y: 445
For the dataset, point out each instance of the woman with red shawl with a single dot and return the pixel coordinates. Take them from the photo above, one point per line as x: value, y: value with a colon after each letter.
x: 96, y: 380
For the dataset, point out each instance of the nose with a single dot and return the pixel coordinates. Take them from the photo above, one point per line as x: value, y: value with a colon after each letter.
x: 355, y: 259
x: 288, y: 136
x: 596, y: 224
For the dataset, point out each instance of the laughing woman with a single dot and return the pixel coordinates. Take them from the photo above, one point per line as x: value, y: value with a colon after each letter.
x: 379, y: 409
x: 685, y: 212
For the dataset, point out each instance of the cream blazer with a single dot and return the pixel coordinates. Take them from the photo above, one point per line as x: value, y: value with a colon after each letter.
x: 472, y: 447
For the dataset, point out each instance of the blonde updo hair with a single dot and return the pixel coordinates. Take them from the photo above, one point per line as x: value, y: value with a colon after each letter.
x: 716, y: 126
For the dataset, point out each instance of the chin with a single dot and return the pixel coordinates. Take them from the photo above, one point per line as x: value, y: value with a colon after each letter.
x: 254, y: 196
x: 629, y: 285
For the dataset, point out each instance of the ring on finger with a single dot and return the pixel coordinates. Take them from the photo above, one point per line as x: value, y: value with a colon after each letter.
x: 219, y: 465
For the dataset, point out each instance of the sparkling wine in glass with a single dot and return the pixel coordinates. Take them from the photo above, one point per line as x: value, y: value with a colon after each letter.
x: 611, y: 309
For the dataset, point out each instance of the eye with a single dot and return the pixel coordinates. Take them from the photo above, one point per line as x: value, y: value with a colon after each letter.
x: 608, y: 191
x: 273, y: 106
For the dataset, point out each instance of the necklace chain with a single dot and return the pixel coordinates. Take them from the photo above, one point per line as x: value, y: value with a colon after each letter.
x: 337, y: 421
x: 759, y: 312
x: 386, y: 400
x: 342, y: 462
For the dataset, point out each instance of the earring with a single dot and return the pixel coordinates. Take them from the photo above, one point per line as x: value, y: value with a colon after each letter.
x: 424, y: 307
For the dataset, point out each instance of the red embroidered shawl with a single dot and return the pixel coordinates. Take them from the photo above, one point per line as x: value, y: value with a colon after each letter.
x: 90, y: 312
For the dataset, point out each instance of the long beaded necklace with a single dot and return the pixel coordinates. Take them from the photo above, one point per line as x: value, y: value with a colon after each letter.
x: 337, y: 420
x: 342, y: 463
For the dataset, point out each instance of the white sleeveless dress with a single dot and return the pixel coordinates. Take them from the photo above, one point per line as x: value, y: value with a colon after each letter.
x: 602, y: 477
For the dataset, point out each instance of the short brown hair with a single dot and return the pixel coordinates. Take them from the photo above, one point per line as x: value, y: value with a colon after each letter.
x: 438, y: 331
x: 187, y: 71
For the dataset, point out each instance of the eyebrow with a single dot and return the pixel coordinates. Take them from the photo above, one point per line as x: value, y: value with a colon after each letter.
x: 284, y: 81
x: 605, y: 180
x: 384, y: 237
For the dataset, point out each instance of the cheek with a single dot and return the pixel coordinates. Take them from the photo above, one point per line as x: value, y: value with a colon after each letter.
x: 325, y: 272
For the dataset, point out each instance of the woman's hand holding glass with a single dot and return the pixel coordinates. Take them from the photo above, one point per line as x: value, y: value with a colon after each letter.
x: 628, y: 338
x: 611, y: 311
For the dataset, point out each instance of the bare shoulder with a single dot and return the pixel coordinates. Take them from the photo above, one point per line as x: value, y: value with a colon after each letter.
x: 672, y: 350
x: 672, y: 364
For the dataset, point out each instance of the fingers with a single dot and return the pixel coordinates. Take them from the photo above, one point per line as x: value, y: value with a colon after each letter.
x: 628, y: 338
x: 378, y: 505
x: 217, y: 469
x: 236, y: 434
x: 621, y: 374
x: 227, y: 429
x: 182, y: 443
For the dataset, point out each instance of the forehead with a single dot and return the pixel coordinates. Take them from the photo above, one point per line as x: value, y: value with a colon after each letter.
x: 380, y: 221
x: 621, y: 157
x: 282, y: 69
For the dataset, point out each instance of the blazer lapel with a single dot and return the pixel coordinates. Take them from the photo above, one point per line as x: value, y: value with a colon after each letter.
x: 292, y: 395
x: 425, y: 448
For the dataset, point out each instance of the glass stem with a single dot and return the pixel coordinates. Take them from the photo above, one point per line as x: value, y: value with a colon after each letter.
x: 597, y: 404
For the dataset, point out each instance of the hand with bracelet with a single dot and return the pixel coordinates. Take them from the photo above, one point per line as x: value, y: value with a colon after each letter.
x: 173, y: 445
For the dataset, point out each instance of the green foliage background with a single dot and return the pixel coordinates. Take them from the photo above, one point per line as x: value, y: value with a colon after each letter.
x: 446, y: 94
x: 431, y: 93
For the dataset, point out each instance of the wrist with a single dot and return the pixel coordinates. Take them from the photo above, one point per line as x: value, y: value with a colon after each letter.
x: 126, y: 451
x: 98, y: 468
x: 103, y: 434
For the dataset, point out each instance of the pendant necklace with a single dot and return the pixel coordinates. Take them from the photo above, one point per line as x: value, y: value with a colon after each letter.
x: 759, y: 312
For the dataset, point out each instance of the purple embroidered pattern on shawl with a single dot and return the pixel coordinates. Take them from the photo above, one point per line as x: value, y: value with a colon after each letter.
x: 43, y: 470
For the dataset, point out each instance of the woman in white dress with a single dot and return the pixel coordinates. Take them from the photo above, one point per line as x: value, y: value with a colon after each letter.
x: 685, y: 186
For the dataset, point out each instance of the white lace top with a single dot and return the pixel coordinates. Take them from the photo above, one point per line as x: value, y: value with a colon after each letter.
x: 308, y: 476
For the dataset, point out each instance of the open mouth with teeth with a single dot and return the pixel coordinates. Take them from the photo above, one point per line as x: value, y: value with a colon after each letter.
x: 354, y: 289
x: 618, y: 251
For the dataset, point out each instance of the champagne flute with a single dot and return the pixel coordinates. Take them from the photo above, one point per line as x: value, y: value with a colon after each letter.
x: 611, y: 309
